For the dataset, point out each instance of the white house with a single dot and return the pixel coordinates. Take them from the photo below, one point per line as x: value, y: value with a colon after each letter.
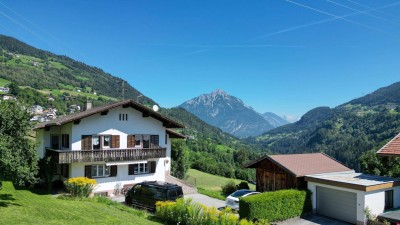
x: 36, y: 109
x: 117, y: 144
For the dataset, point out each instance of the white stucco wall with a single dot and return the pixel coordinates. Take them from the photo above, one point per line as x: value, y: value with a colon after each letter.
x: 110, y: 124
x: 374, y: 200
x: 43, y: 137
x: 108, y: 184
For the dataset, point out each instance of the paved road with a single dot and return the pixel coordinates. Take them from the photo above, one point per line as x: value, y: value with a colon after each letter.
x: 205, y: 200
x: 313, y: 220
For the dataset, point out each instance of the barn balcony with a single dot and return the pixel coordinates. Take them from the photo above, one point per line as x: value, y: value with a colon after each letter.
x: 106, y: 155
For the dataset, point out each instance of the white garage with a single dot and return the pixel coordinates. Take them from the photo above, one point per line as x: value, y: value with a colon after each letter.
x: 337, y: 204
x: 345, y: 195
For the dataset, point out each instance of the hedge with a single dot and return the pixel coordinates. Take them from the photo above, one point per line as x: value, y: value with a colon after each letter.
x: 275, y: 206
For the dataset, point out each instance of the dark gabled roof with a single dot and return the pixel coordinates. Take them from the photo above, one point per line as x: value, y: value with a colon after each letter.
x: 392, y: 148
x: 173, y: 134
x: 300, y: 165
x: 168, y: 123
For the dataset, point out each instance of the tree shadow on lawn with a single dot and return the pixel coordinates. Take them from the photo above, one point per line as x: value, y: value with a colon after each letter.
x: 7, y: 200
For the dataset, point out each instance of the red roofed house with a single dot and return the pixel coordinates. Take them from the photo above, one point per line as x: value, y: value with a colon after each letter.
x: 337, y: 191
x: 392, y: 148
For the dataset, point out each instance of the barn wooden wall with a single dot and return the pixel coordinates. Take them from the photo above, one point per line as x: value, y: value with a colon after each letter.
x: 270, y: 177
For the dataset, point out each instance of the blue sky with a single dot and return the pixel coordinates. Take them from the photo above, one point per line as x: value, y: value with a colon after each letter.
x: 283, y: 56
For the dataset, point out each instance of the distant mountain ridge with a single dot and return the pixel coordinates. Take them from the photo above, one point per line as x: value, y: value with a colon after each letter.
x: 231, y: 114
x: 274, y: 119
x: 344, y: 132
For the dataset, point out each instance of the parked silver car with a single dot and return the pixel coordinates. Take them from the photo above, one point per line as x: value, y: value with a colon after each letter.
x: 232, y: 200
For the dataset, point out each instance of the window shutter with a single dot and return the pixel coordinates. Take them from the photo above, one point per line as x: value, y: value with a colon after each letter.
x: 130, y: 169
x: 131, y: 141
x: 86, y: 142
x: 115, y: 141
x: 113, y: 171
x: 88, y: 171
x: 154, y: 141
x: 153, y: 165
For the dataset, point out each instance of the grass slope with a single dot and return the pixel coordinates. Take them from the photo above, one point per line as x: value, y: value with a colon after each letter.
x: 212, y: 182
x: 3, y: 82
x: 25, y: 207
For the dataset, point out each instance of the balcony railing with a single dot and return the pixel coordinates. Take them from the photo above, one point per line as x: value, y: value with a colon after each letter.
x: 106, y: 155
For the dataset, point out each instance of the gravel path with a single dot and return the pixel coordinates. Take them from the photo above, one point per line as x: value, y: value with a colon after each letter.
x: 205, y: 200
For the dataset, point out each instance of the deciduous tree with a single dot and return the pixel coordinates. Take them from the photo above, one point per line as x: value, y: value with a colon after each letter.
x: 18, y: 158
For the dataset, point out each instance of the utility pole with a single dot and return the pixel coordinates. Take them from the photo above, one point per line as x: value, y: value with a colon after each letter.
x: 122, y: 89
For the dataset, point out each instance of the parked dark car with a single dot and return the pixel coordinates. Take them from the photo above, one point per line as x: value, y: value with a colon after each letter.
x: 145, y: 195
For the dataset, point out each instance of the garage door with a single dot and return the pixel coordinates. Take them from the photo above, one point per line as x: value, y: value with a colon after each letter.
x: 341, y: 205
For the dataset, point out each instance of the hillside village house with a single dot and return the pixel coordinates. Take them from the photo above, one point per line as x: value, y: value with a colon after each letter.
x: 117, y: 144
x: 337, y: 191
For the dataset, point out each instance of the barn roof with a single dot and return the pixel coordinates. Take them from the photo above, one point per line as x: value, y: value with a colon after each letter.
x: 303, y: 164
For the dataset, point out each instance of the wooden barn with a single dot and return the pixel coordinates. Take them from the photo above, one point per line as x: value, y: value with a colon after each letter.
x: 276, y: 172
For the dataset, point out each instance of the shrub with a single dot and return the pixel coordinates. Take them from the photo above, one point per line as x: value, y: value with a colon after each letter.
x: 275, y: 206
x: 185, y: 212
x: 80, y: 186
x: 229, y: 188
x: 243, y: 185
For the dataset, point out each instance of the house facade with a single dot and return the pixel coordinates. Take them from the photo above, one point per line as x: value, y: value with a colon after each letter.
x: 118, y: 144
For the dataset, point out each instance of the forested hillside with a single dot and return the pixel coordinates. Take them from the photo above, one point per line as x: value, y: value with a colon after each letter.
x: 41, y: 74
x: 344, y: 132
x: 42, y: 70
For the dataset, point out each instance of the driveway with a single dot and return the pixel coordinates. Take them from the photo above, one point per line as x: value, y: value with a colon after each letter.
x: 205, y: 200
x: 313, y: 220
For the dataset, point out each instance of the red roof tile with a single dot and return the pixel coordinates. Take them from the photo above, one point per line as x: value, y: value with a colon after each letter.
x: 392, y: 148
x: 304, y: 164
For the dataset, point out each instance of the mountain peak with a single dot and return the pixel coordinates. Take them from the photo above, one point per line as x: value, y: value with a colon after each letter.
x: 219, y: 92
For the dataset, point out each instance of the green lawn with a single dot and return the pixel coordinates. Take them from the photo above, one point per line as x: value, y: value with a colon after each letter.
x: 211, y: 182
x: 3, y: 82
x: 25, y: 207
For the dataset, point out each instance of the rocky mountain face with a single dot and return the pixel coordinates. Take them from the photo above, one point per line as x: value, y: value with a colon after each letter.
x: 230, y: 114
x: 274, y: 119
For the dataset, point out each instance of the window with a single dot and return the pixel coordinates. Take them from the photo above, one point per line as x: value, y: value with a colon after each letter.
x: 95, y: 142
x: 154, y: 141
x: 55, y: 141
x: 166, y: 140
x: 106, y: 141
x: 146, y: 141
x: 123, y: 117
x: 65, y: 140
x: 64, y: 170
x: 388, y: 199
x: 100, y: 171
x: 138, y: 140
x: 138, y: 168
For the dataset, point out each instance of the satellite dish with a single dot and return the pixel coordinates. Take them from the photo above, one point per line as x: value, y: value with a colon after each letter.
x: 155, y: 108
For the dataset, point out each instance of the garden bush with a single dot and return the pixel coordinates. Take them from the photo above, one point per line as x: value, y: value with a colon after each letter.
x: 229, y: 188
x: 243, y: 185
x: 80, y: 186
x: 185, y: 212
x: 276, y: 205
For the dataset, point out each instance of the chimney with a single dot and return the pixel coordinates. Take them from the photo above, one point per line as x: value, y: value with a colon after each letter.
x: 88, y: 105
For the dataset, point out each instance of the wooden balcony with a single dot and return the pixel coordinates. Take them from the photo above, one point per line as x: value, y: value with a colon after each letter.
x: 106, y: 155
